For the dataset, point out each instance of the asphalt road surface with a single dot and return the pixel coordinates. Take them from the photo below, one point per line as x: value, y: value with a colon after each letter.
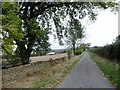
x: 85, y: 75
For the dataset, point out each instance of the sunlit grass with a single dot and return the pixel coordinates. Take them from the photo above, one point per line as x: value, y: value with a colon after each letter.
x: 56, y: 74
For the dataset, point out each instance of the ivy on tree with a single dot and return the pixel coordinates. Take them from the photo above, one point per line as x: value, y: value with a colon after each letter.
x: 16, y: 32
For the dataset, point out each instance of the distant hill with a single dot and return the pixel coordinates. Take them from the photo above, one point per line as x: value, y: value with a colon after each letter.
x: 95, y: 47
x: 59, y: 50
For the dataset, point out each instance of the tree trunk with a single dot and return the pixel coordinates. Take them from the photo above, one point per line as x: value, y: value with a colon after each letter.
x: 24, y: 53
x: 74, y: 48
x: 25, y: 57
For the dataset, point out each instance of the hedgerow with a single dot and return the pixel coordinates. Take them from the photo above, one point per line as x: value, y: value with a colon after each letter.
x: 111, y: 51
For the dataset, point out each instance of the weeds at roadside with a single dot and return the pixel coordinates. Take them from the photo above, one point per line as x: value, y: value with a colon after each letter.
x: 108, y: 68
x: 48, y: 77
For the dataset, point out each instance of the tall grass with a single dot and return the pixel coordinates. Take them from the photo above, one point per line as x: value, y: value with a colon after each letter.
x: 48, y: 76
x: 54, y: 75
x: 110, y: 69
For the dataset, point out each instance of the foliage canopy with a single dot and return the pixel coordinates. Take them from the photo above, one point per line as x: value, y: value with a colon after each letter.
x: 27, y: 24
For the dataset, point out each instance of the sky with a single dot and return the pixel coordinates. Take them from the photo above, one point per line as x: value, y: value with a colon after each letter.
x: 103, y: 31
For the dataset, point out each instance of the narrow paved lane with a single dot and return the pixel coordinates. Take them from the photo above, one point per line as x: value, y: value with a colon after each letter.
x: 85, y: 75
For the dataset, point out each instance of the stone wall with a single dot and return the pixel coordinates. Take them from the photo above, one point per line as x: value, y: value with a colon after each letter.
x: 19, y: 72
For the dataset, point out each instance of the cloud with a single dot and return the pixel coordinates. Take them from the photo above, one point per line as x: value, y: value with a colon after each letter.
x: 100, y: 33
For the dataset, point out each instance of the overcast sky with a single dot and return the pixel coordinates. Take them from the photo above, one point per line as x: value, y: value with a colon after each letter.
x: 99, y: 33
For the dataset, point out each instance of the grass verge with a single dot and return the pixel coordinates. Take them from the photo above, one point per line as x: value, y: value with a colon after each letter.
x: 55, y: 74
x: 109, y: 69
x: 49, y: 77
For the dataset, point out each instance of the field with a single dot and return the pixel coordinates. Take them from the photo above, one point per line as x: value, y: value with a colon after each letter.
x: 47, y: 57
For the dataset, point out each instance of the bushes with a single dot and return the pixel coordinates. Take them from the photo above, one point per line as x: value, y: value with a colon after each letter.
x: 111, y: 51
x: 78, y: 52
x: 110, y: 69
x: 38, y: 53
x: 80, y: 49
x: 12, y: 60
x: 69, y: 53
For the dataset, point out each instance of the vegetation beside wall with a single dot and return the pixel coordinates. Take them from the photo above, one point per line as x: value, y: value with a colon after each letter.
x: 111, y: 52
x: 80, y: 49
x: 110, y: 69
x: 38, y: 75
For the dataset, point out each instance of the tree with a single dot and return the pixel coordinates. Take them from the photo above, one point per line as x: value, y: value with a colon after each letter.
x: 80, y: 48
x: 11, y: 25
x: 16, y: 32
x: 69, y: 53
x: 55, y: 12
x: 46, y: 13
x: 74, y: 33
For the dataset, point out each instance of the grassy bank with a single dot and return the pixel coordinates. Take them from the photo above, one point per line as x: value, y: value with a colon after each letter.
x: 109, y: 69
x: 49, y: 77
